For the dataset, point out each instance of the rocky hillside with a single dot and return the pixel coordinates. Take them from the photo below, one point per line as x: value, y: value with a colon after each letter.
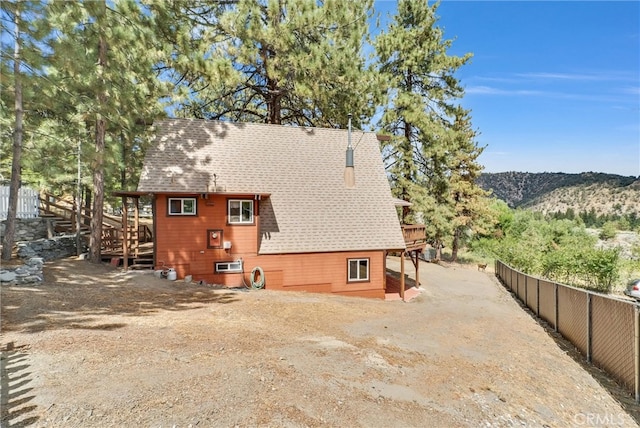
x: 556, y: 192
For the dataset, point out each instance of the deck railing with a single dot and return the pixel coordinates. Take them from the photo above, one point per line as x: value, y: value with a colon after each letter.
x: 415, y: 237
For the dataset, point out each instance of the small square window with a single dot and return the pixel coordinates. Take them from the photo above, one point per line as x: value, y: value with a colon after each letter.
x: 240, y: 211
x: 182, y: 206
x: 358, y: 270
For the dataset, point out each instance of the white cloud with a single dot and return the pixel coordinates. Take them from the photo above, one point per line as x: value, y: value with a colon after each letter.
x: 490, y: 90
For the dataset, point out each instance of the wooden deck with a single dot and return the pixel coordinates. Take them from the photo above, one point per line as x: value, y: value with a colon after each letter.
x: 415, y: 237
x: 415, y: 240
x: 68, y: 219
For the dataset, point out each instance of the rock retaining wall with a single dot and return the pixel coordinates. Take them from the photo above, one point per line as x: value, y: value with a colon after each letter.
x: 28, y: 229
x: 36, y: 253
x: 29, y: 273
x: 50, y: 249
x: 34, y: 247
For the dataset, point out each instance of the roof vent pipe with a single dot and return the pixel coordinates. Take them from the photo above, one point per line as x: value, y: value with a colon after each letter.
x: 349, y: 173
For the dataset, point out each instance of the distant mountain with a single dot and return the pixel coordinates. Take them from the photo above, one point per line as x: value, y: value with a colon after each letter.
x: 556, y: 192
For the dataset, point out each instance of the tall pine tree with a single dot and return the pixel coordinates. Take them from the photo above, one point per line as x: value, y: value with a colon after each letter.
x: 20, y: 68
x: 470, y: 201
x: 102, y: 62
x: 425, y: 154
x: 285, y: 62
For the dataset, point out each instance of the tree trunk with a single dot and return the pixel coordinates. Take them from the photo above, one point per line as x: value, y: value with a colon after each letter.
x: 406, y: 210
x: 14, y: 188
x: 123, y: 172
x: 438, y: 246
x: 95, y: 243
x: 87, y: 206
x: 455, y: 245
x: 79, y: 202
x: 274, y: 103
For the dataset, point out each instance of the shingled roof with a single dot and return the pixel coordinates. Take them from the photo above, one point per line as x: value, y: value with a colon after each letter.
x: 309, y: 208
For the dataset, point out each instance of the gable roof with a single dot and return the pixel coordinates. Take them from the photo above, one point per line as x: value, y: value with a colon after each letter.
x: 302, y: 169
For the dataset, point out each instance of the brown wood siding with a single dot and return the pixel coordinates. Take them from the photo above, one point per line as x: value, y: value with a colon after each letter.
x: 182, y: 243
x: 184, y: 239
x: 312, y: 272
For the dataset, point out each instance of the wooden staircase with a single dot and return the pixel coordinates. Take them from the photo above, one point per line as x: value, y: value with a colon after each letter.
x: 140, y: 240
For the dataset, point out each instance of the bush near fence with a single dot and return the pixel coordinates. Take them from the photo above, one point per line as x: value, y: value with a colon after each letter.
x: 604, y: 329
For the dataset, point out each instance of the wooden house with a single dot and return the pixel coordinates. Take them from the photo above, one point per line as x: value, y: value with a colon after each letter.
x: 243, y: 203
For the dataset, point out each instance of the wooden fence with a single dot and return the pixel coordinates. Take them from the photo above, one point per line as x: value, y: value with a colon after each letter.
x: 28, y: 201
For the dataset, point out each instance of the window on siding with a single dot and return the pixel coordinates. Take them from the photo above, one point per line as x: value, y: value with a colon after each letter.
x: 222, y: 267
x: 240, y: 211
x: 358, y: 270
x: 182, y: 206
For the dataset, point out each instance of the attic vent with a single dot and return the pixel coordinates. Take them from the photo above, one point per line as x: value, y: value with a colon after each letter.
x: 349, y: 173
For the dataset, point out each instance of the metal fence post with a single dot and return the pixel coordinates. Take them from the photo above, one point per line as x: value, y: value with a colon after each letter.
x: 589, y: 327
x: 555, y: 292
x: 637, y: 352
x: 538, y: 297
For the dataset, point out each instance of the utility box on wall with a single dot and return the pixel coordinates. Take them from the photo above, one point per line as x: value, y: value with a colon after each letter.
x: 214, y: 238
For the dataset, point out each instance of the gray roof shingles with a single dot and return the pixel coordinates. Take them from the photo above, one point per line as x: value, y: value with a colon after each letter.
x: 309, y: 209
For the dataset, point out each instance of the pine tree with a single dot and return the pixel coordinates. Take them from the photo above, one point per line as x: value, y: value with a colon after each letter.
x: 422, y: 95
x: 471, y: 203
x: 102, y: 62
x: 283, y: 62
x: 10, y: 227
x: 22, y: 71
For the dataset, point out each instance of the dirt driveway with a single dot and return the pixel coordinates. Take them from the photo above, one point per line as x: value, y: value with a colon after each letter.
x: 97, y: 347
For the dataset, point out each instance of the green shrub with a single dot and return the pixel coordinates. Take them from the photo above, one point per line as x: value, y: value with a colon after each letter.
x: 608, y: 231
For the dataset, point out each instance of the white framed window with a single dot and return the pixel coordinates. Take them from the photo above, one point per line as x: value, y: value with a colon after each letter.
x: 182, y: 206
x: 240, y: 211
x: 358, y: 270
x: 222, y: 267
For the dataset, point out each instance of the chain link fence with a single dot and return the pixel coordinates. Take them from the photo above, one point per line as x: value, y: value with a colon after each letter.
x: 604, y: 329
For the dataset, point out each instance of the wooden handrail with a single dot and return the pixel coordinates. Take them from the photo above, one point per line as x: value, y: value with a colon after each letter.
x: 413, y: 232
x: 67, y: 209
x: 414, y: 236
x: 112, y: 226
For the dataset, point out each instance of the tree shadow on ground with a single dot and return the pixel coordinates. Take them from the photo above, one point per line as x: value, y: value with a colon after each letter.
x: 78, y: 295
x: 619, y: 393
x: 16, y: 409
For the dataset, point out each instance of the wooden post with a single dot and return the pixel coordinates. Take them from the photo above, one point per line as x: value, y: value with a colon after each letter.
x: 136, y: 227
x: 402, y: 275
x: 417, y: 270
x: 384, y: 271
x: 125, y: 234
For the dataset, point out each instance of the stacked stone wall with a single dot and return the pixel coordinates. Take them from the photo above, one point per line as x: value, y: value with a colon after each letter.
x: 50, y: 249
x: 29, y: 273
x: 35, y: 247
x: 28, y: 229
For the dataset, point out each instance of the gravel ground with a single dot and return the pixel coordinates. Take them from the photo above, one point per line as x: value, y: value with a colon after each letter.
x: 98, y: 347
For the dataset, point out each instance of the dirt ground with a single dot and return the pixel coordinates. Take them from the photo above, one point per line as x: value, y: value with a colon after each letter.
x: 98, y: 347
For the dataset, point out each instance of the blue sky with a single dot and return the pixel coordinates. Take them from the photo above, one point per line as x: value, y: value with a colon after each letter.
x: 553, y: 86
